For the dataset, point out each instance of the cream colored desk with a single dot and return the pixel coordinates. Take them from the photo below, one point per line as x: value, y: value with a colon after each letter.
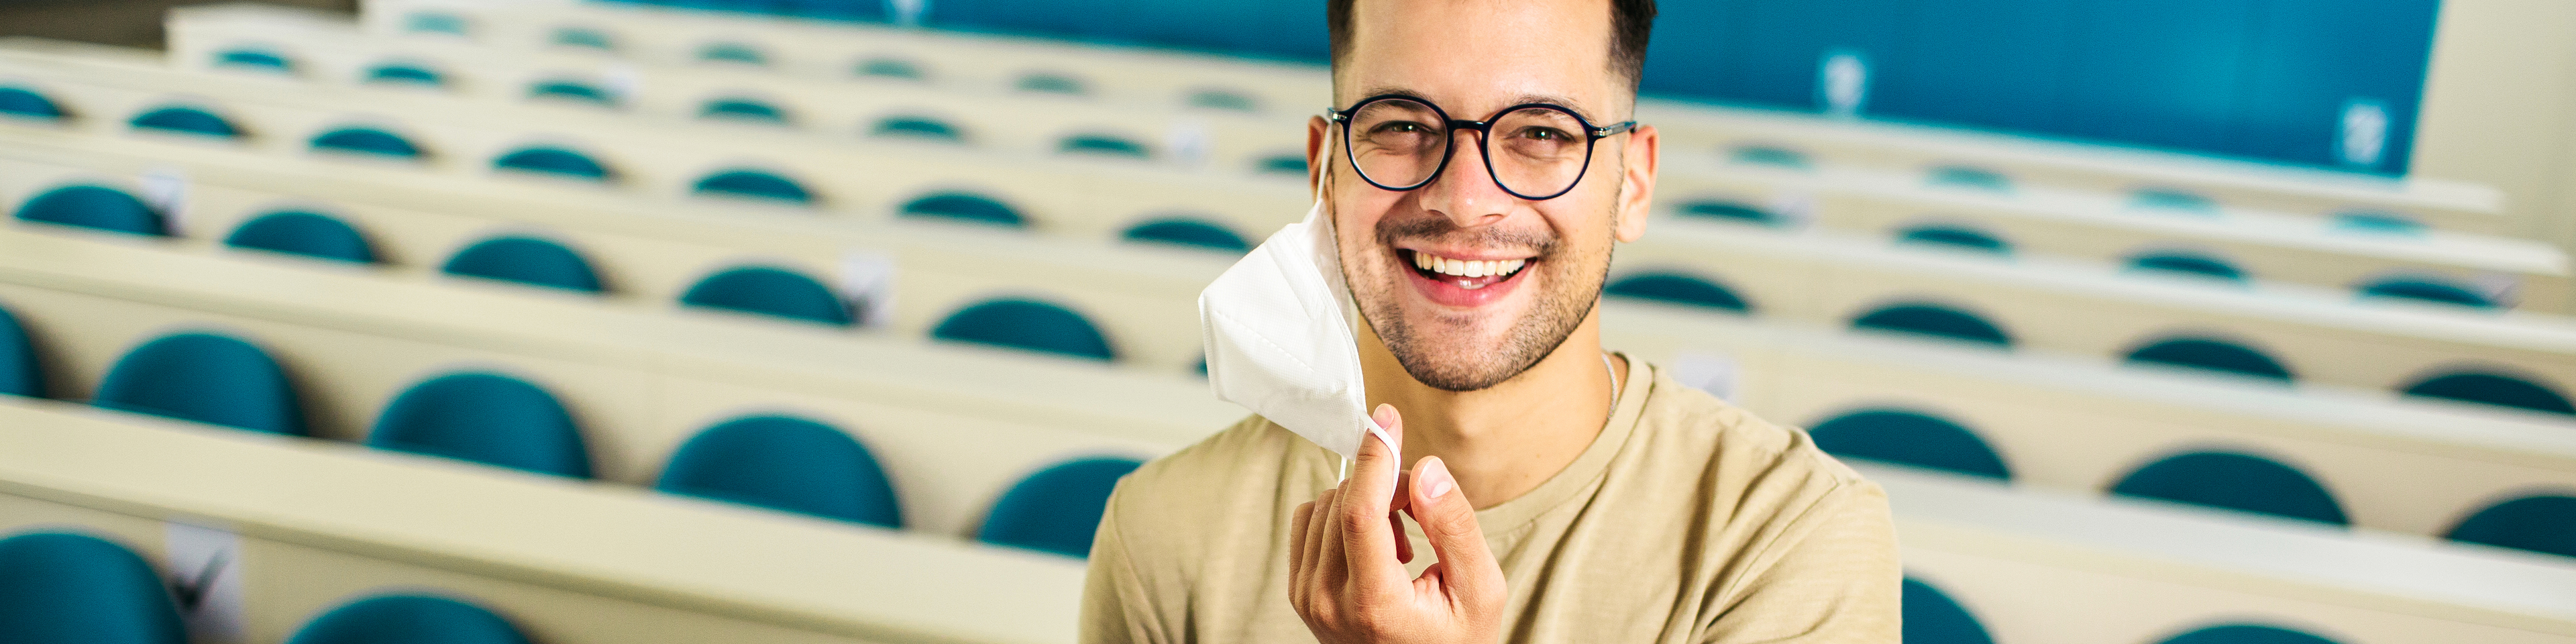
x: 1868, y: 200
x: 568, y: 562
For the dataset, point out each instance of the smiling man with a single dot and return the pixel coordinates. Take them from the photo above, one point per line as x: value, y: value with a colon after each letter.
x: 1480, y: 165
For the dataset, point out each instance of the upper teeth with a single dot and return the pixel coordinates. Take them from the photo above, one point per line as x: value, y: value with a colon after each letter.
x: 1466, y: 267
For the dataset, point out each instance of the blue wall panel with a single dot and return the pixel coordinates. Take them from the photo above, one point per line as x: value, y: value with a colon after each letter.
x: 2311, y: 58
x: 2163, y: 73
x: 1983, y: 63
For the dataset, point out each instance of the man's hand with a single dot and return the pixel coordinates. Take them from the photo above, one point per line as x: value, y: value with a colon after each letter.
x: 1348, y: 550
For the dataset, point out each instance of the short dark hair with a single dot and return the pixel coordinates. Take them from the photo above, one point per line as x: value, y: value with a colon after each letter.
x: 1631, y: 21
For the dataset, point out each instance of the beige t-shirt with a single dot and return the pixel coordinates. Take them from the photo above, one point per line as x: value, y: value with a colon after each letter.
x: 1687, y: 520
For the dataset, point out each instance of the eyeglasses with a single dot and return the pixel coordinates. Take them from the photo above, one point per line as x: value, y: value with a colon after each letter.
x: 1535, y: 151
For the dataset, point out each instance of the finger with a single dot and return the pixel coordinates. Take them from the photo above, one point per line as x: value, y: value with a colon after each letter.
x: 1327, y: 569
x: 1297, y: 541
x: 1449, y: 523
x: 1366, y: 543
x: 1403, y: 543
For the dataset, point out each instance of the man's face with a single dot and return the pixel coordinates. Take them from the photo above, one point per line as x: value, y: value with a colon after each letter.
x: 1473, y: 58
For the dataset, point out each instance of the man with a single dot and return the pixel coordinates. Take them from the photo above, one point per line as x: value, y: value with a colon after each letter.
x: 1478, y: 166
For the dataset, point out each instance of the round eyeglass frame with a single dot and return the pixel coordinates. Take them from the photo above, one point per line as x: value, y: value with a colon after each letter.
x: 1484, y: 147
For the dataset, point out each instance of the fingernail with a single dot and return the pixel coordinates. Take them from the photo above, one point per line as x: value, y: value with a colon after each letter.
x: 1384, y: 416
x: 1435, y: 478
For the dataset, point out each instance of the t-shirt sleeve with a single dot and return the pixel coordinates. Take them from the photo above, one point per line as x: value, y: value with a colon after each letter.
x: 1833, y: 577
x: 1115, y: 603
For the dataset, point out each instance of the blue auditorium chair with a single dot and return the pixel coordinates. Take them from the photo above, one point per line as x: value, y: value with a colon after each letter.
x: 1959, y: 176
x: 1103, y: 145
x: 755, y: 184
x: 1677, y: 288
x: 206, y: 378
x: 27, y: 103
x: 185, y: 120
x: 733, y: 52
x: 435, y: 22
x: 304, y: 233
x: 1057, y: 509
x: 1909, y: 438
x: 1931, y: 617
x: 2179, y: 262
x: 891, y: 68
x: 1217, y: 99
x: 2234, y: 481
x: 1954, y: 236
x: 2425, y: 288
x: 1045, y: 83
x: 408, y: 619
x: 20, y: 373
x: 2477, y: 386
x: 744, y: 109
x: 256, y: 60
x: 486, y: 418
x: 1027, y: 324
x: 1770, y: 156
x: 1934, y: 320
x: 2538, y: 523
x: 98, y: 207
x: 1730, y: 211
x: 64, y: 588
x: 959, y: 206
x: 2214, y: 355
x: 2246, y: 634
x: 405, y: 74
x: 1285, y: 164
x: 1187, y: 231
x: 923, y: 127
x: 526, y: 260
x: 574, y: 91
x: 584, y: 38
x: 770, y: 291
x: 2172, y: 200
x: 367, y: 140
x: 785, y: 463
x: 553, y: 161
x: 2374, y: 222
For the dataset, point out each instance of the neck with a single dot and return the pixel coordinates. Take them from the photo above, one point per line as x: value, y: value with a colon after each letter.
x: 1502, y: 441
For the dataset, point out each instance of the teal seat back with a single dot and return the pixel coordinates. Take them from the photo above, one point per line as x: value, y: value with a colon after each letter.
x: 364, y: 140
x: 733, y: 52
x: 1027, y: 324
x: 785, y: 463
x: 1909, y: 438
x: 1184, y: 231
x: 435, y: 23
x: 1954, y: 237
x: 525, y: 260
x: 186, y: 120
x: 769, y: 291
x: 303, y: 233
x: 554, y: 161
x: 1677, y: 288
x: 958, y: 206
x: 1104, y: 144
x: 63, y: 588
x: 1959, y: 176
x: 2246, y: 634
x: 917, y: 127
x: 1045, y: 83
x: 1770, y: 156
x: 255, y: 59
x: 1287, y: 164
x: 2213, y: 355
x: 26, y: 103
x: 2187, y: 263
x: 97, y: 207
x: 744, y: 109
x: 2539, y: 523
x: 2172, y: 200
x: 754, y: 184
x: 1931, y: 617
x: 893, y: 68
x: 1057, y: 509
x: 405, y: 74
x: 486, y: 418
x: 1218, y: 99
x: 2234, y: 481
x: 1934, y: 320
x: 1730, y: 211
x: 205, y: 378
x: 20, y: 374
x: 583, y: 37
x: 573, y: 91
x: 2426, y: 288
x: 2493, y: 389
x: 408, y: 619
x: 2379, y: 223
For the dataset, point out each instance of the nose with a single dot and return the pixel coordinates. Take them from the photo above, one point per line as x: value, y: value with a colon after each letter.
x: 1465, y: 191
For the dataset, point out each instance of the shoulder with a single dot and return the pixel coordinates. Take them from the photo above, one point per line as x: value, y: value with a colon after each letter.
x: 1225, y: 484
x: 1696, y: 429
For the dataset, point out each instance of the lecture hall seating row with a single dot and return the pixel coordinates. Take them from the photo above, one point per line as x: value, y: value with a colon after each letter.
x: 987, y: 64
x: 1768, y: 182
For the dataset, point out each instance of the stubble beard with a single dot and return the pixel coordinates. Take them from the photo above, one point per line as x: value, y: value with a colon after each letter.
x: 1569, y: 297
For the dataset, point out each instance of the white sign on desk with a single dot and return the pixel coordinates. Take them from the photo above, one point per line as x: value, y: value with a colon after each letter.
x: 206, y: 578
x: 1843, y: 79
x: 867, y: 279
x: 165, y: 189
x: 2362, y: 137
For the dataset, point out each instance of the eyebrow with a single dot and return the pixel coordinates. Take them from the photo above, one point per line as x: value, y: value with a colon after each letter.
x: 1558, y: 100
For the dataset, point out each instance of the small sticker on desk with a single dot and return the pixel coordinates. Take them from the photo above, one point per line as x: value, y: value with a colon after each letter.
x: 165, y: 189
x: 205, y: 571
x: 867, y: 280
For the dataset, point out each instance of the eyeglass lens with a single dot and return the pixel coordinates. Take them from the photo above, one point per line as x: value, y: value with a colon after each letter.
x: 1399, y: 143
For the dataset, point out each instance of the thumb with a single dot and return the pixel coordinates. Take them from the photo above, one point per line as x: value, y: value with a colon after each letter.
x: 1449, y: 522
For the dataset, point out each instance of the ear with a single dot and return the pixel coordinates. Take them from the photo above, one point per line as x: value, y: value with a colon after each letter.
x: 1637, y: 183
x: 1317, y: 130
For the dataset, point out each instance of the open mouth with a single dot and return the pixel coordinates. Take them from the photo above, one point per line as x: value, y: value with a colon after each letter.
x: 1468, y: 274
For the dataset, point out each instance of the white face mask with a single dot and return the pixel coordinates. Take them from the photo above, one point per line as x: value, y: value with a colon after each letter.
x: 1279, y: 338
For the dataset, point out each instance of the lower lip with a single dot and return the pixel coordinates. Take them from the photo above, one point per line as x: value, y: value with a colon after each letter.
x: 1447, y: 294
